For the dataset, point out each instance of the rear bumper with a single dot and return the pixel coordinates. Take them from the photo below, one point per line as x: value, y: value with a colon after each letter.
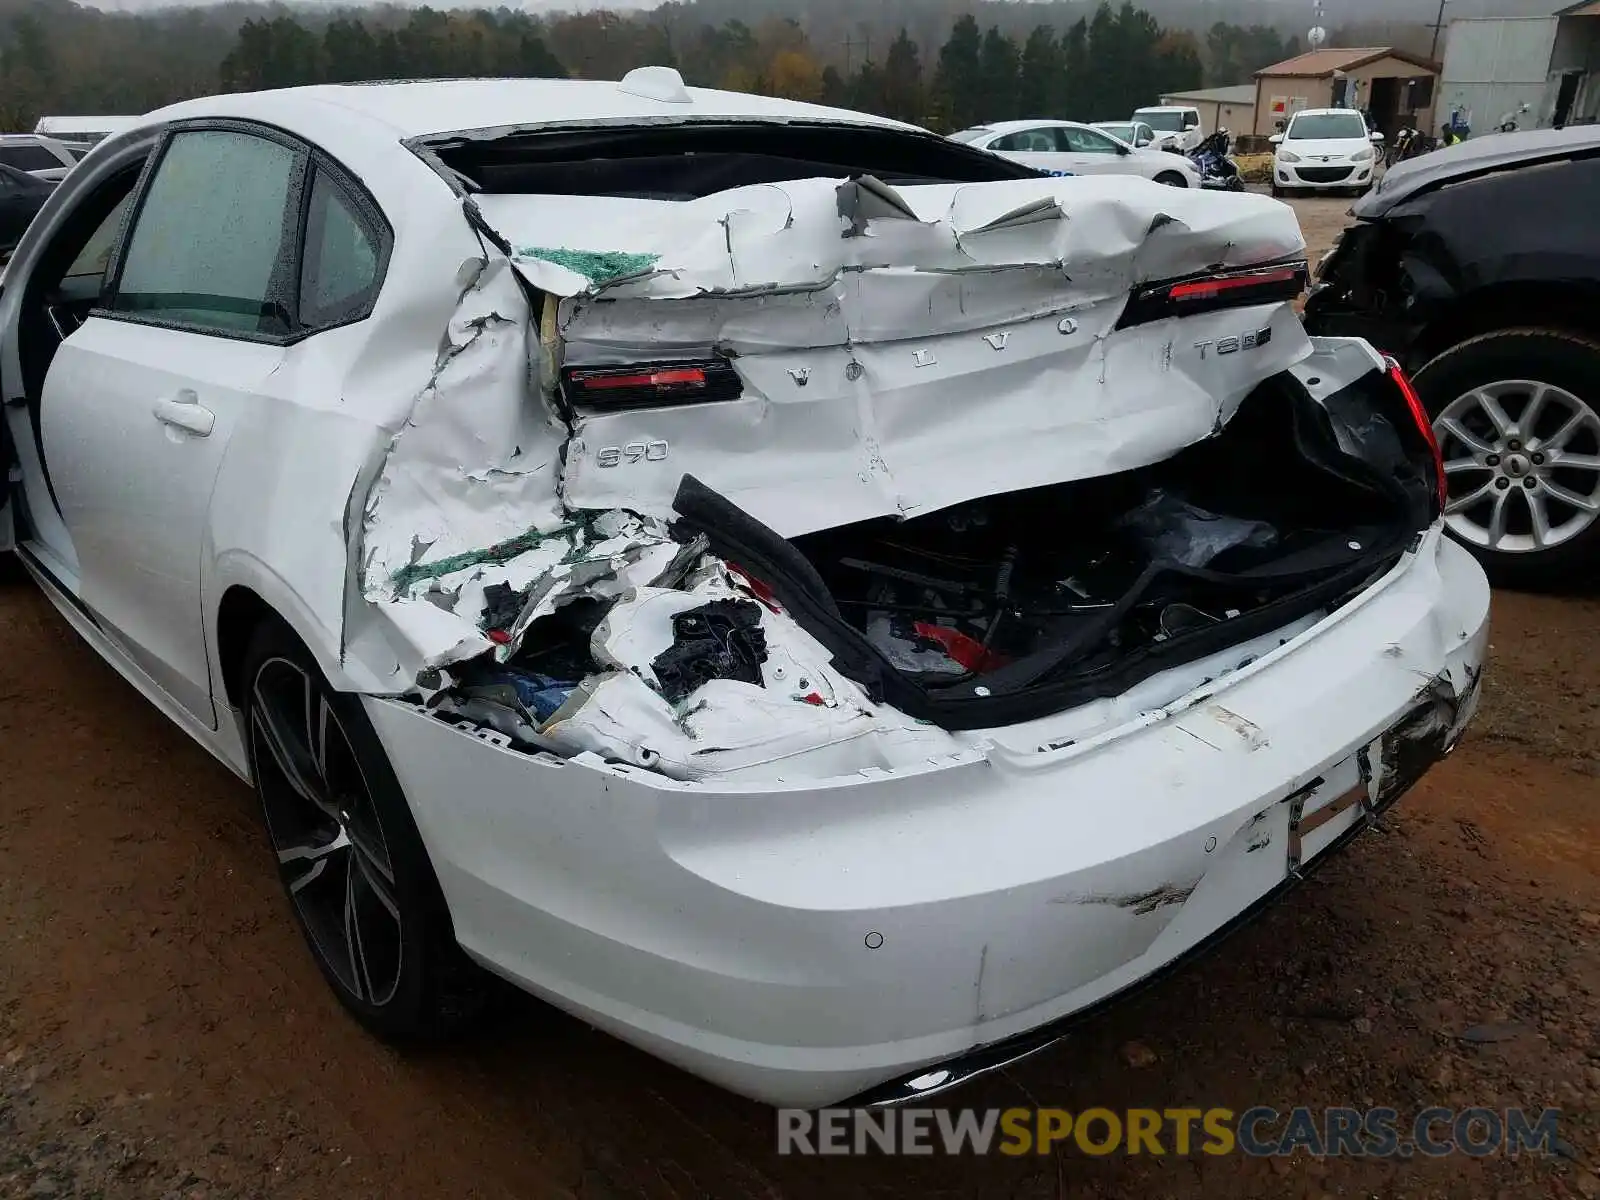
x: 1424, y: 736
x: 804, y: 942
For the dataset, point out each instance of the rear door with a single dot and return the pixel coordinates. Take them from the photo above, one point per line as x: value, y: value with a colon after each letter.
x: 140, y: 400
x: 1092, y: 152
x: 1041, y: 148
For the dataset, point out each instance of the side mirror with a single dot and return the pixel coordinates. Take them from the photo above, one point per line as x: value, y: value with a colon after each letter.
x: 1144, y: 141
x: 1376, y: 136
x: 1276, y: 139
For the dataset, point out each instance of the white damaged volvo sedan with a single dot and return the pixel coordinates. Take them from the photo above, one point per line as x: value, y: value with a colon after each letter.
x: 818, y: 601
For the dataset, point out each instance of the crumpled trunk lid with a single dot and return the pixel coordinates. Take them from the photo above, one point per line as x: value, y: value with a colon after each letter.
x: 897, y: 351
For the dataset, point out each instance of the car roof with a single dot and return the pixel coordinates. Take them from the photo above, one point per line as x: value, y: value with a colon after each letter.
x: 1165, y: 108
x: 1480, y: 155
x: 1037, y: 123
x: 1323, y: 112
x: 422, y: 108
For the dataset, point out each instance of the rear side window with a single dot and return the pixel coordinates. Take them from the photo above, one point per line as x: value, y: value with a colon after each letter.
x: 29, y: 156
x: 213, y: 243
x: 339, y: 272
x: 96, y: 252
x: 1030, y: 141
x: 1085, y: 141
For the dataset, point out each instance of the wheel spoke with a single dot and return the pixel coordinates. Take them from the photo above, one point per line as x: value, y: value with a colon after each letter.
x: 352, y: 936
x: 371, y: 855
x: 1588, y: 504
x: 1576, y: 462
x: 1491, y: 409
x: 1497, y: 522
x: 315, y: 853
x: 1466, y: 437
x: 317, y: 729
x: 1462, y: 502
x: 381, y: 886
x: 308, y: 877
x: 1457, y: 466
x: 1529, y: 420
x: 1539, y: 519
x: 1575, y: 422
x: 293, y: 761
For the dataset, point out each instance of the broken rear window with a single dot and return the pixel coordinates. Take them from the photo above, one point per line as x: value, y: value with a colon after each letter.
x: 686, y: 162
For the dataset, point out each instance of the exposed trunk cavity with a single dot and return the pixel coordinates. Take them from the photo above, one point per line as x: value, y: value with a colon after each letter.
x: 1012, y: 607
x: 952, y: 456
x: 876, y: 644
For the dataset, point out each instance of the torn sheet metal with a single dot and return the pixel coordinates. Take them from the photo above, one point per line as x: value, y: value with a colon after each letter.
x: 804, y: 234
x: 899, y: 350
x: 726, y: 727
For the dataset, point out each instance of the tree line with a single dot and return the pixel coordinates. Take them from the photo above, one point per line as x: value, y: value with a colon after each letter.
x: 57, y: 56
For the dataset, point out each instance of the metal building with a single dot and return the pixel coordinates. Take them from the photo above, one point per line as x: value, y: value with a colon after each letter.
x: 1548, y: 61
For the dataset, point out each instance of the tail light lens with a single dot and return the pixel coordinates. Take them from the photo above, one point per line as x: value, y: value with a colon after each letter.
x: 1419, y: 414
x: 651, y: 385
x: 1208, y: 293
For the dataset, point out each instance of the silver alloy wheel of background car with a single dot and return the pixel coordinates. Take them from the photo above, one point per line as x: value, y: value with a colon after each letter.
x: 325, y: 829
x: 1523, y: 463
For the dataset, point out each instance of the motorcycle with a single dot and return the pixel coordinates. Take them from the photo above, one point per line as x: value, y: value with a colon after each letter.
x: 1217, y: 168
x: 1509, y: 121
x: 1409, y: 143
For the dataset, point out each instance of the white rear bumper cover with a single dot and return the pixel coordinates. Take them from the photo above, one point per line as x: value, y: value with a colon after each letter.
x: 803, y: 942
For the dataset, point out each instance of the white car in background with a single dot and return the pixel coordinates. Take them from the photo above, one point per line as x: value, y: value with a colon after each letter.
x: 818, y: 601
x: 1324, y: 149
x: 1177, y: 127
x: 1135, y: 133
x: 1071, y: 148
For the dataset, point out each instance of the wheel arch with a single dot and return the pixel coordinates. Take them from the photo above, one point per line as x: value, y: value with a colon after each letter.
x: 1567, y: 307
x: 248, y: 593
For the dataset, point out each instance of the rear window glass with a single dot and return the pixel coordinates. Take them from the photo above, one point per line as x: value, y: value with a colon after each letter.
x: 29, y: 156
x: 1166, y: 122
x: 686, y: 162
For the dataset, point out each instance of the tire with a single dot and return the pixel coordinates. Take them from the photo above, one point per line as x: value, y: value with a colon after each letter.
x: 1278, y: 193
x: 412, y: 981
x: 1556, y: 374
x: 1172, y: 179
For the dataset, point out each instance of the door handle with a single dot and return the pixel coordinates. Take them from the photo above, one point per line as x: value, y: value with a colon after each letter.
x: 182, y: 411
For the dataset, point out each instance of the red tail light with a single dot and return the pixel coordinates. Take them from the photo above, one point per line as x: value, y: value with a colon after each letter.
x: 1222, y: 289
x: 1419, y: 414
x: 651, y: 385
x: 1210, y: 289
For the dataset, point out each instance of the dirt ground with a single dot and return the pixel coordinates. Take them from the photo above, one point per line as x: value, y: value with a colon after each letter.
x: 163, y: 1032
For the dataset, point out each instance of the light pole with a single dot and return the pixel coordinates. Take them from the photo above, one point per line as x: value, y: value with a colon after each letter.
x: 1438, y: 24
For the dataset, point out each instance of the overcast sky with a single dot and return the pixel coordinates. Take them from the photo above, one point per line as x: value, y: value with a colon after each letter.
x: 528, y: 5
